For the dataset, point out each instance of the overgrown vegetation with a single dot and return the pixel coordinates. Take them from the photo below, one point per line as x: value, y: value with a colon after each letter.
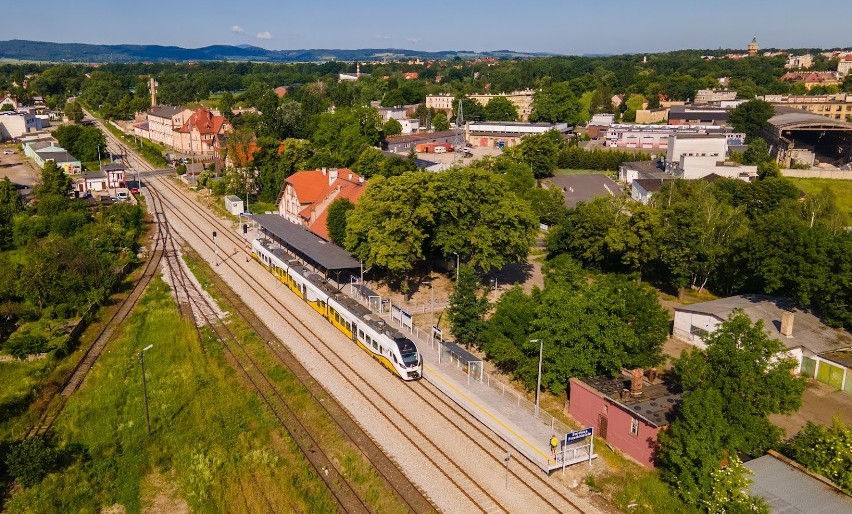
x: 825, y: 450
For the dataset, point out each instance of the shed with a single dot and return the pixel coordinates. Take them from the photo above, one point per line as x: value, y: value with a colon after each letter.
x: 234, y: 205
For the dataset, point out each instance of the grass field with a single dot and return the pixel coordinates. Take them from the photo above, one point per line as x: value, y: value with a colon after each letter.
x: 213, y: 447
x: 842, y: 190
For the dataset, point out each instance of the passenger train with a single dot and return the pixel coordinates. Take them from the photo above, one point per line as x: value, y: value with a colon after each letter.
x: 384, y: 343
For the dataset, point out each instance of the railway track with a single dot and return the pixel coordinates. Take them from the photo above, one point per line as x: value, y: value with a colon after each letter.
x: 529, y: 476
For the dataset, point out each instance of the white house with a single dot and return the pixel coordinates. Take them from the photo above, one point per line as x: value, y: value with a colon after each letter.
x: 234, y: 205
x: 15, y: 124
x: 820, y: 351
x: 643, y: 189
x: 703, y: 145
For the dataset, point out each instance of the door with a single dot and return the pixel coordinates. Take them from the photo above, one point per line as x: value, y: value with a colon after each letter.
x: 831, y: 375
x: 808, y: 367
x: 602, y: 424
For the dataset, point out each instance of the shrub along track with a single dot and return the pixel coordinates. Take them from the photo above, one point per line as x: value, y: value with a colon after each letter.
x: 75, y: 378
x: 198, y: 307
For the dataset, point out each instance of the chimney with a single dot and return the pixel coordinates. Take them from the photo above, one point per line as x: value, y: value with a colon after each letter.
x: 350, y: 177
x: 358, y: 70
x: 636, y: 379
x: 652, y: 375
x: 787, y: 323
x: 152, y: 85
x: 323, y: 171
x: 625, y: 394
x: 332, y: 175
x: 360, y: 180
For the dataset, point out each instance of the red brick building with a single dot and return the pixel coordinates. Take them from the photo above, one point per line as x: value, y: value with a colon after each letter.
x: 626, y: 411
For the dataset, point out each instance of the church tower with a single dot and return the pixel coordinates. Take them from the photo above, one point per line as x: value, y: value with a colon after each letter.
x: 753, y: 47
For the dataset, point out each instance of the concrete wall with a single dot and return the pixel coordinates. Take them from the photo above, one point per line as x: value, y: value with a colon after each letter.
x: 684, y: 321
x: 832, y: 174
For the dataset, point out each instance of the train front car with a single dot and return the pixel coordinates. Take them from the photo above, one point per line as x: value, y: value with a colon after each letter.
x: 411, y: 364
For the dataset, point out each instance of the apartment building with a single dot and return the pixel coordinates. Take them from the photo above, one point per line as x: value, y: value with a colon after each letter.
x: 838, y: 106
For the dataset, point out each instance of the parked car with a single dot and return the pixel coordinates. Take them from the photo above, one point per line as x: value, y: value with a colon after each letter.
x: 8, y: 152
x: 134, y: 190
x: 121, y: 196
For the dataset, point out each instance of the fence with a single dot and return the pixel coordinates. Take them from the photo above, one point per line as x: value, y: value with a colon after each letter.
x: 832, y: 174
x: 485, y: 378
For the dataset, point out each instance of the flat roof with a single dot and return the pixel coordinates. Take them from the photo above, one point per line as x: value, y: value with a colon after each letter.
x: 305, y: 244
x: 582, y: 188
x: 790, y: 489
x: 808, y: 331
x: 655, y: 405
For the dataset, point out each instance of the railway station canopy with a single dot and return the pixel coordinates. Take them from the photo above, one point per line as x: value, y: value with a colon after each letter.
x: 306, y: 245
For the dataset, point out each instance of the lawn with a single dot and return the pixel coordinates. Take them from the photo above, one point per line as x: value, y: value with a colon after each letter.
x: 213, y: 446
x: 842, y: 190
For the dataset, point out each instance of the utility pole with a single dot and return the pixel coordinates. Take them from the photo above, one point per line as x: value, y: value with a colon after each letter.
x: 145, y: 386
x: 215, y: 250
x: 538, y: 382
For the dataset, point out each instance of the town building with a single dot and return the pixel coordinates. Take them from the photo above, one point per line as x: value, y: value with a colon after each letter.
x: 697, y: 115
x: 837, y: 106
x: 844, y: 65
x: 115, y: 174
x: 696, y: 167
x: 799, y: 62
x: 161, y: 122
x: 202, y: 133
x: 632, y: 170
x: 627, y: 411
x: 753, y: 47
x: 702, y: 145
x: 812, y: 78
x: 14, y: 124
x: 642, y: 189
x: 787, y: 487
x: 505, y: 134
x: 443, y: 102
x: 820, y: 351
x: 8, y: 103
x: 714, y: 96
x: 306, y: 195
x: 406, y: 143
x: 41, y: 152
x: 91, y: 182
x: 522, y: 100
x: 647, y: 116
x: 602, y: 120
x: 583, y: 188
x: 652, y: 136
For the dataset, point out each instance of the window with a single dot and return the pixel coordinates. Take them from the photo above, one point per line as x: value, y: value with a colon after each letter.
x: 634, y: 427
x: 698, y: 331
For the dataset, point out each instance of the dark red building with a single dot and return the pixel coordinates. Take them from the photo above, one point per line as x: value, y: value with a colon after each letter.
x: 627, y: 411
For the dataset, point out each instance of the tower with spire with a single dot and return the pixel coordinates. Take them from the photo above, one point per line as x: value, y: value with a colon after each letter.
x: 753, y: 47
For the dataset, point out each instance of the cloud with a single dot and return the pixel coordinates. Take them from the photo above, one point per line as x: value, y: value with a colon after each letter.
x: 413, y: 39
x: 236, y: 29
x: 264, y: 35
x: 381, y: 36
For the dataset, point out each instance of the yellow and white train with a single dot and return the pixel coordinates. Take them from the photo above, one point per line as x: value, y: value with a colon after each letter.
x: 384, y: 343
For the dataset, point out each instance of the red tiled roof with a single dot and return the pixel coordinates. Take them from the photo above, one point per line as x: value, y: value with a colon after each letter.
x: 320, y: 226
x: 204, y: 121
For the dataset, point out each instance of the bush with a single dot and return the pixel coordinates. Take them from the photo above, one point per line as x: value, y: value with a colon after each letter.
x: 31, y: 460
x: 22, y: 345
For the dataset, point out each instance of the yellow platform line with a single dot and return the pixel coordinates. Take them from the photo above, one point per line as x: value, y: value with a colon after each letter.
x: 492, y: 416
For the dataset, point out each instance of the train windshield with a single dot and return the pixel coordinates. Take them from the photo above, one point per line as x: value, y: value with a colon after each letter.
x: 410, y: 357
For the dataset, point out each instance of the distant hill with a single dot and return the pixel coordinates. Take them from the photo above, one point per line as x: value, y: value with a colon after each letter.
x: 77, y: 52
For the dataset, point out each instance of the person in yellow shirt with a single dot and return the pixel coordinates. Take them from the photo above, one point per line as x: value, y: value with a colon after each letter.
x: 554, y: 443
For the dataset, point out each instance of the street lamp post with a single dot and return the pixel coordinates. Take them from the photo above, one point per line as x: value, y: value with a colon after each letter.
x: 145, y: 386
x: 538, y: 380
x: 431, y: 308
x: 457, y: 266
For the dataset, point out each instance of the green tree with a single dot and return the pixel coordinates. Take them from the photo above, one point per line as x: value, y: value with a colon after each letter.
x: 54, y: 181
x: 30, y: 460
x: 753, y: 375
x: 500, y: 108
x: 540, y: 151
x: 467, y: 307
x: 556, y: 103
x: 336, y: 220
x: 473, y: 111
x: 825, y: 450
x: 757, y: 152
x: 226, y: 103
x: 508, y: 328
x: 392, y: 127
x: 10, y: 205
x: 751, y: 116
x: 392, y: 221
x: 345, y: 133
x: 440, y: 122
x: 370, y: 162
x: 74, y: 112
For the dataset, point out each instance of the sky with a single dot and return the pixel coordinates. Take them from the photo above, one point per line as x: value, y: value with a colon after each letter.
x: 557, y: 26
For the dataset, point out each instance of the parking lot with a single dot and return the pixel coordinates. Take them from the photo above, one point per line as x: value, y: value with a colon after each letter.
x: 17, y: 167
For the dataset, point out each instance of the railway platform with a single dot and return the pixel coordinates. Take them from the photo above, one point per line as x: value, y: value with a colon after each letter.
x: 459, y: 375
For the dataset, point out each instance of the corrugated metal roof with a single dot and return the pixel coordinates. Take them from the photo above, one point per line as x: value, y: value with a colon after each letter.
x: 306, y: 244
x: 789, y: 489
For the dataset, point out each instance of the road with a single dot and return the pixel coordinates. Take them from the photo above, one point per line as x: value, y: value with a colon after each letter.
x: 442, y: 449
